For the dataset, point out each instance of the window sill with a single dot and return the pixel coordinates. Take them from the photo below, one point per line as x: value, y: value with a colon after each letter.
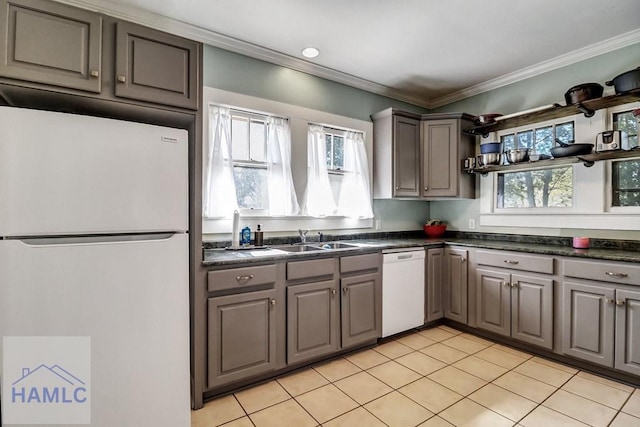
x: 600, y: 221
x: 285, y: 224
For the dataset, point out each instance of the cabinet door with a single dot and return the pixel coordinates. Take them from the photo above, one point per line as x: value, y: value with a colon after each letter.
x: 440, y: 158
x: 588, y: 328
x: 242, y: 336
x: 493, y: 301
x: 406, y: 151
x: 455, y: 285
x: 51, y: 43
x: 435, y: 278
x: 628, y: 331
x: 156, y: 67
x: 361, y: 309
x: 312, y: 320
x: 532, y: 310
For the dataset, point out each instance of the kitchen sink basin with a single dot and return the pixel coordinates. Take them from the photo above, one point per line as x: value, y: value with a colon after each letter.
x: 298, y: 248
x: 336, y: 245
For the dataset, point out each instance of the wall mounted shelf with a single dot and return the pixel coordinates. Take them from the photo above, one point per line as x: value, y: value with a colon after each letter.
x: 588, y: 108
x: 587, y: 159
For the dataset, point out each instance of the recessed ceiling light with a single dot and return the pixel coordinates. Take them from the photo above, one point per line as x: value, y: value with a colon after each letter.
x: 310, y: 52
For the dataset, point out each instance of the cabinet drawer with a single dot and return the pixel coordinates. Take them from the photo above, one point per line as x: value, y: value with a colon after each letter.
x: 353, y: 263
x: 241, y: 277
x: 311, y: 268
x: 602, y: 271
x: 515, y: 261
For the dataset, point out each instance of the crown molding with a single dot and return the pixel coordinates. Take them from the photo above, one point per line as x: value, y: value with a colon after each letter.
x: 209, y: 37
x: 564, y: 60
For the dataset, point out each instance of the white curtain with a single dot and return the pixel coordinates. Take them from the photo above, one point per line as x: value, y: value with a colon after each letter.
x: 219, y: 192
x: 282, y: 195
x: 318, y: 197
x: 355, y: 192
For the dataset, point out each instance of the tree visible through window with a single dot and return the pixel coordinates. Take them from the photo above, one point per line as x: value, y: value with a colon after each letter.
x: 626, y: 182
x: 536, y: 188
x: 248, y: 136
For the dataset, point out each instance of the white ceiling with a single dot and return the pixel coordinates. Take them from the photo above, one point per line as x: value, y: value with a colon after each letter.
x: 427, y: 52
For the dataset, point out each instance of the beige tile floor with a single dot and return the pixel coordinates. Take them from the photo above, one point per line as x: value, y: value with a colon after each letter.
x: 435, y: 377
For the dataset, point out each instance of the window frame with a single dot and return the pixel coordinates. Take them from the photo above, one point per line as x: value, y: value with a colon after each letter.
x: 541, y: 209
x: 299, y: 120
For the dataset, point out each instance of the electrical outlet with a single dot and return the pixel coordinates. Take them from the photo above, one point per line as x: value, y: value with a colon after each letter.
x: 472, y: 224
x: 378, y: 224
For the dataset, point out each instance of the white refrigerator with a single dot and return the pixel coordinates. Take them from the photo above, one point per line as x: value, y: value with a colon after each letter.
x: 94, y: 243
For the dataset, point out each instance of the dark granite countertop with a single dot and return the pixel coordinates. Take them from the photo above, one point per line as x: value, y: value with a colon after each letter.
x: 601, y: 250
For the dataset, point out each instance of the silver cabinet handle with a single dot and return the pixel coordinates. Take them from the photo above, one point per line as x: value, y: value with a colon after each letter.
x: 333, y: 291
x: 345, y: 290
x: 504, y: 283
x: 94, y: 73
x: 463, y: 259
x: 609, y: 301
x: 122, y: 79
x: 426, y: 188
x: 620, y: 302
x: 273, y: 301
x: 514, y: 285
x: 243, y: 278
x: 510, y: 261
x: 614, y: 274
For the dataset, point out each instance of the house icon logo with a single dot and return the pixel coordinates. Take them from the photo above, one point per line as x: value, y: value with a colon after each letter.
x: 48, y: 384
x: 46, y: 380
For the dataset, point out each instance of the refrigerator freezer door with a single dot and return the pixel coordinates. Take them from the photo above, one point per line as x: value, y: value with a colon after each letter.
x: 71, y: 174
x: 131, y: 298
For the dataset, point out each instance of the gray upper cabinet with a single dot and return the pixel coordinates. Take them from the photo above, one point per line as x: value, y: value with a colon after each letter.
x: 421, y: 156
x: 156, y: 67
x: 242, y: 336
x: 396, y: 146
x: 406, y: 155
x: 455, y: 284
x: 51, y: 43
x: 312, y: 320
x: 444, y: 148
x: 435, y: 279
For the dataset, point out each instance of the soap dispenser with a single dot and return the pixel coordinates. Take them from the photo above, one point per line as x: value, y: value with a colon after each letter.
x: 258, y: 239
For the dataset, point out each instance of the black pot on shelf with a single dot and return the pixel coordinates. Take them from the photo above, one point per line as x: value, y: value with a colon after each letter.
x: 627, y: 81
x: 583, y: 92
x: 573, y: 149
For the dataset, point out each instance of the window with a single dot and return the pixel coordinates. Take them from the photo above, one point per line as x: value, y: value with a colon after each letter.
x: 248, y: 148
x: 540, y: 140
x: 542, y: 188
x: 248, y: 165
x: 338, y: 174
x: 625, y: 182
x: 627, y: 122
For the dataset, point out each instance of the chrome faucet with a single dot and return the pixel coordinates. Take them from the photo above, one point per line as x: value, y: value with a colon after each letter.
x: 320, y: 237
x: 303, y: 235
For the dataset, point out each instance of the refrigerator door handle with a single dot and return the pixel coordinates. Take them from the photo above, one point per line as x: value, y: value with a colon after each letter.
x: 92, y: 240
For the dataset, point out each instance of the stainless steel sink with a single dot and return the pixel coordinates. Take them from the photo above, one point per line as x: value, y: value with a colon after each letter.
x: 298, y: 248
x: 336, y: 245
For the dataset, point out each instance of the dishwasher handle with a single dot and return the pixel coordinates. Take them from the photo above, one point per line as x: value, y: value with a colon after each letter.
x: 403, y: 256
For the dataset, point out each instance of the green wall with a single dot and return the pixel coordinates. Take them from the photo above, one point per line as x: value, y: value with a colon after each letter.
x: 242, y: 74
x: 551, y: 86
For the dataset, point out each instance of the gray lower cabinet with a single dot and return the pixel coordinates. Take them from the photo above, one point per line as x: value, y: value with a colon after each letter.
x: 627, y: 348
x: 515, y: 305
x: 312, y: 320
x: 588, y: 322
x: 52, y: 43
x: 435, y: 279
x: 455, y: 284
x: 361, y: 309
x: 155, y: 66
x: 602, y: 325
x: 242, y: 336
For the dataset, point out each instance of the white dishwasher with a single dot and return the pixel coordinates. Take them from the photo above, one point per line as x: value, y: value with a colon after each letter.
x: 402, y: 290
